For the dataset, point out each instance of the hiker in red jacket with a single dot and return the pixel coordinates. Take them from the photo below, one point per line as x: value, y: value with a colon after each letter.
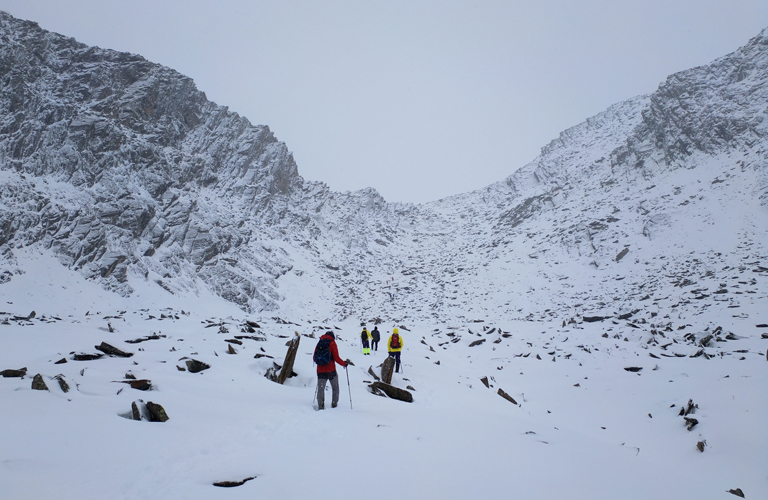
x: 326, y: 356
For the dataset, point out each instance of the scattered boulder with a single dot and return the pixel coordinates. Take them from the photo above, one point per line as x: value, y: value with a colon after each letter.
x: 112, y: 351
x: 392, y: 391
x: 476, y: 342
x: 61, y: 361
x: 144, y: 339
x: 290, y: 357
x: 387, y: 368
x: 688, y: 409
x: 737, y: 492
x: 135, y: 411
x: 14, y: 373
x: 38, y: 384
x: 232, y: 484
x: 141, y: 384
x: 484, y: 380
x: 195, y: 366
x: 230, y: 349
x: 691, y: 422
x: 594, y: 319
x: 622, y: 254
x: 700, y: 445
x: 62, y: 383
x: 506, y: 396
x: 272, y: 372
x: 86, y: 357
x: 634, y: 369
x: 156, y: 412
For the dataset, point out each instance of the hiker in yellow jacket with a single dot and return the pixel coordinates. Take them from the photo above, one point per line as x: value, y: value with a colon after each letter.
x: 394, y: 346
x: 365, y: 336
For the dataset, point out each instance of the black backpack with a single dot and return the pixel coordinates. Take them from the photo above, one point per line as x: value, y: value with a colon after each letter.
x: 323, y: 352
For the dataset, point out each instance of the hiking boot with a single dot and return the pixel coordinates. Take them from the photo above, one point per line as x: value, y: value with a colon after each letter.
x: 321, y: 407
x: 334, y: 405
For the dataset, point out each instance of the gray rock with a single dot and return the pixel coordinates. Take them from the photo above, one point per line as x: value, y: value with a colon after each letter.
x: 38, y: 383
x: 287, y: 369
x: 506, y: 396
x: 112, y: 351
x: 62, y: 383
x: 14, y: 373
x: 387, y: 369
x: 195, y: 366
x: 392, y: 391
x: 156, y: 412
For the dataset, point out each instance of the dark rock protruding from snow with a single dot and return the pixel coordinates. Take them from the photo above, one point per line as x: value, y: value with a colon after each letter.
x: 112, y: 351
x: 593, y: 319
x: 195, y: 366
x: 14, y: 373
x: 387, y: 369
x: 86, y: 357
x: 290, y: 357
x: 62, y: 383
x: 506, y: 396
x: 232, y: 484
x: 392, y: 391
x: 38, y: 383
x: 156, y: 412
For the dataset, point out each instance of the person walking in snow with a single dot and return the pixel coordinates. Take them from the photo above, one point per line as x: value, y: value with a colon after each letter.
x: 365, y: 337
x: 326, y: 356
x: 394, y: 346
x: 375, y: 337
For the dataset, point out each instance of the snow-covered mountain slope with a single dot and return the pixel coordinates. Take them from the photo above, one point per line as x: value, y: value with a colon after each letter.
x: 128, y: 174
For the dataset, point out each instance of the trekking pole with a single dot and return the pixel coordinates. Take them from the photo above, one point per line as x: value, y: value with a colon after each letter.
x: 349, y: 388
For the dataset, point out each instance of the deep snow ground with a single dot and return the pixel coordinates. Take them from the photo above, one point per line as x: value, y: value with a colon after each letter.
x: 615, y: 435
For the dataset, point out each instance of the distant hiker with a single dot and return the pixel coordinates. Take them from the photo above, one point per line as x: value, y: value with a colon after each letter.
x: 394, y: 346
x: 375, y: 337
x: 365, y: 337
x: 326, y: 356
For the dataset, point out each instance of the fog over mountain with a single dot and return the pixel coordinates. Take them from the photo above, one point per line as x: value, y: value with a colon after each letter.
x: 126, y: 172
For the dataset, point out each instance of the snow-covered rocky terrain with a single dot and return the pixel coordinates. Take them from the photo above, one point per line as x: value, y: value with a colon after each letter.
x: 619, y: 275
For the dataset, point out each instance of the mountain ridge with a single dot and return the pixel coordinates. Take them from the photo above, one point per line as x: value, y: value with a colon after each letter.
x: 124, y: 170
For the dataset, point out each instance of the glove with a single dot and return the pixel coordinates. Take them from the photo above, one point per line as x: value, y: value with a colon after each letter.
x: 349, y: 362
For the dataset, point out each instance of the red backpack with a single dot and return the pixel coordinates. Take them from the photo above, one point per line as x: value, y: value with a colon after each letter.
x: 395, y: 341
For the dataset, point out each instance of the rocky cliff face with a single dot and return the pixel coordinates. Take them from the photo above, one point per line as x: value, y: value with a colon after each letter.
x: 126, y: 171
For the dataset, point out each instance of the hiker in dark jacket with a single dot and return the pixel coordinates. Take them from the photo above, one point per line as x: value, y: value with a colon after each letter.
x: 325, y: 350
x: 375, y: 337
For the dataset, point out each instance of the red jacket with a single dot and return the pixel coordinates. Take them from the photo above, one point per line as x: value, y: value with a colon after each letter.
x: 331, y: 367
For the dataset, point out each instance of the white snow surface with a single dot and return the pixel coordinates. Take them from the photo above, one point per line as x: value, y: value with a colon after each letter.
x: 584, y: 427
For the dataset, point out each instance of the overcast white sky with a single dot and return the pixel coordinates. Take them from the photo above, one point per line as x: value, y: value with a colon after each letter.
x: 418, y: 99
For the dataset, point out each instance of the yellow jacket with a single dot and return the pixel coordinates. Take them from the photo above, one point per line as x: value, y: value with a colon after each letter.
x: 389, y: 343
